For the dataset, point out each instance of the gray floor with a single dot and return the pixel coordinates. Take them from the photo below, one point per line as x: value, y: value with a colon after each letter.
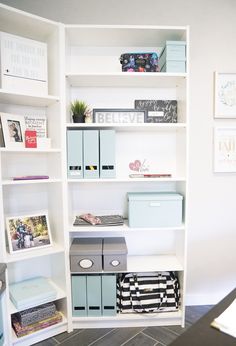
x: 148, y: 336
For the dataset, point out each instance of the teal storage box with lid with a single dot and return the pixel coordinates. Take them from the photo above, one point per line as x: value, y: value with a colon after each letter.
x: 155, y: 209
x: 173, y: 57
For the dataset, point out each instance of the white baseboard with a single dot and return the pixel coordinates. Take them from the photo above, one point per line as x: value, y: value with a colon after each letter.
x: 203, y: 299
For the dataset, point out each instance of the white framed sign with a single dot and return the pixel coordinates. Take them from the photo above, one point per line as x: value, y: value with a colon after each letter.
x: 115, y: 116
x: 225, y: 95
x: 225, y: 149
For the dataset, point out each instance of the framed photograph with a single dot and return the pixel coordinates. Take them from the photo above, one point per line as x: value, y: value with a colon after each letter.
x: 158, y: 111
x: 13, y: 127
x: 225, y: 95
x: 225, y: 149
x: 28, y: 232
x: 116, y: 116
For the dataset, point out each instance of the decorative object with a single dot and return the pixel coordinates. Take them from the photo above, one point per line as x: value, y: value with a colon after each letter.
x: 117, y: 115
x: 139, y: 62
x: 158, y: 111
x: 13, y: 127
x: 23, y: 65
x: 37, y: 123
x: 225, y: 95
x: 30, y: 139
x: 79, y: 109
x: 225, y: 149
x: 139, y: 166
x: 28, y: 232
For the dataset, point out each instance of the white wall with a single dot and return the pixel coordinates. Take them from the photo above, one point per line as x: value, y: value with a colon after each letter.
x: 212, y: 231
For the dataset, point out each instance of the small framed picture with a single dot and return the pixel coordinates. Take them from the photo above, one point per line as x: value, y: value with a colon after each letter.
x: 158, y: 111
x: 115, y: 116
x: 225, y: 149
x: 225, y: 95
x: 13, y: 127
x: 28, y: 232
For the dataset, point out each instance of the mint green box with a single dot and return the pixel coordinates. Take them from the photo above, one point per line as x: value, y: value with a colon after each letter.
x: 79, y: 295
x: 173, y: 57
x: 155, y: 209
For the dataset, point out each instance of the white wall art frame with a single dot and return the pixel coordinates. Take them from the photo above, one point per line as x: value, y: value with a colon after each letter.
x: 225, y: 149
x: 225, y: 95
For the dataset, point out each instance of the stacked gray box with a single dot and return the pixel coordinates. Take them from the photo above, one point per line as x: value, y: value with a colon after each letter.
x: 86, y: 255
x: 114, y: 254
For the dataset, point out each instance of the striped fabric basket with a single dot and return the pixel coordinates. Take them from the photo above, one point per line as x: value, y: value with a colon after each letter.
x: 148, y: 292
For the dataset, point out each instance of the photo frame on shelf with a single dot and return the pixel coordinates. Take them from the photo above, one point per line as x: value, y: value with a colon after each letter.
x: 13, y: 127
x: 225, y: 95
x: 225, y: 149
x: 118, y: 116
x: 28, y: 232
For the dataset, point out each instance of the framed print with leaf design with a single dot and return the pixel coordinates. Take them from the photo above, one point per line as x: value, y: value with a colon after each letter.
x: 225, y: 149
x: 225, y: 95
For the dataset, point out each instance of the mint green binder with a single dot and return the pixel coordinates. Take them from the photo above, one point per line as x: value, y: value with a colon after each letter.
x: 79, y: 295
x: 108, y: 295
x: 94, y: 295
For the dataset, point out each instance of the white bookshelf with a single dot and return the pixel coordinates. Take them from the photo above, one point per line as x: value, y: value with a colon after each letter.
x: 83, y: 63
x: 93, y: 74
x: 33, y: 196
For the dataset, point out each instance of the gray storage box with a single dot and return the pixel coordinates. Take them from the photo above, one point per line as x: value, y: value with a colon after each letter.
x: 86, y: 255
x: 155, y: 209
x: 114, y: 254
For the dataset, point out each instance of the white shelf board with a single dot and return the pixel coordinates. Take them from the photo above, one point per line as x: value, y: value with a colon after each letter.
x: 130, y: 320
x: 130, y: 126
x: 148, y: 263
x: 30, y: 150
x: 36, y: 252
x: 60, y: 295
x: 21, y: 23
x: 40, y: 335
x: 27, y: 100
x: 26, y: 182
x: 123, y: 228
x: 123, y: 35
x: 125, y: 79
x: 126, y: 180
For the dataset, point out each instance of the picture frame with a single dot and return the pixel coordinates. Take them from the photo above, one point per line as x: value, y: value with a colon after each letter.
x: 118, y: 116
x: 158, y: 111
x: 225, y: 149
x: 225, y: 95
x: 28, y: 232
x: 13, y: 127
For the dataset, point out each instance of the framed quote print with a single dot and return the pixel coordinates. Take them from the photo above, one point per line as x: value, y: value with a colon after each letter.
x: 225, y: 95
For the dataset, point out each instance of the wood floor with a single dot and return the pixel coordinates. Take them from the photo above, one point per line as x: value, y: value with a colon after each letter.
x: 148, y: 336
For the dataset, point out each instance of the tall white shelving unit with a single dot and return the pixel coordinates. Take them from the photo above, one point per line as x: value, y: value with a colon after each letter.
x: 83, y: 63
x: 93, y: 74
x: 31, y: 197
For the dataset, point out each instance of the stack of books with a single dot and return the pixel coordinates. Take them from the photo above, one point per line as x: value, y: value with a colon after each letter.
x: 21, y: 330
x: 105, y: 220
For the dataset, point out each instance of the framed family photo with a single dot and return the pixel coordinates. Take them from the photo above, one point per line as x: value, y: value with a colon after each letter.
x: 225, y: 95
x: 13, y: 127
x: 28, y: 232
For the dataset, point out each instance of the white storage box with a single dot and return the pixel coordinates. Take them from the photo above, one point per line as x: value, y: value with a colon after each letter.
x: 155, y: 209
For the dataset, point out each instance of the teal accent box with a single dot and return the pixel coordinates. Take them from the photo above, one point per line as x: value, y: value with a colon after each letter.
x: 75, y: 154
x: 173, y: 57
x: 79, y: 295
x: 108, y: 295
x: 155, y: 209
x: 94, y: 295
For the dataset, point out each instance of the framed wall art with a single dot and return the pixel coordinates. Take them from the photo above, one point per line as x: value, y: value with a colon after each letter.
x: 28, y: 232
x: 225, y: 149
x: 13, y: 127
x: 225, y: 95
x: 115, y: 116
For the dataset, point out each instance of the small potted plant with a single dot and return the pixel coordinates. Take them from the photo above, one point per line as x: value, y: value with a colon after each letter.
x: 79, y: 109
